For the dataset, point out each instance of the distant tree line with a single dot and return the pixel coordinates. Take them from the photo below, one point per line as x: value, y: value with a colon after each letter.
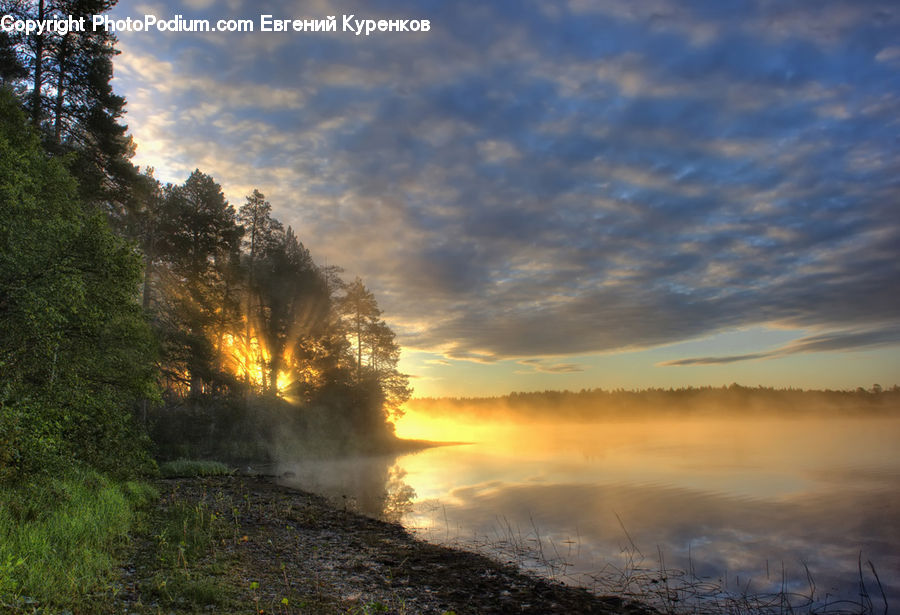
x: 590, y: 404
x: 127, y: 304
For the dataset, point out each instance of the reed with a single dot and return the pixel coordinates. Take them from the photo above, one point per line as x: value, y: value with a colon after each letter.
x: 654, y: 583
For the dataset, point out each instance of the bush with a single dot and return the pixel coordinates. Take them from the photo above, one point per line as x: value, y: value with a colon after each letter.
x: 75, y: 350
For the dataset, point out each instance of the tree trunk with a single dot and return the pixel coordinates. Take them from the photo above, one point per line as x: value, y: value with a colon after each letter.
x: 60, y: 88
x: 358, y: 347
x: 274, y: 368
x: 38, y: 71
x: 145, y: 291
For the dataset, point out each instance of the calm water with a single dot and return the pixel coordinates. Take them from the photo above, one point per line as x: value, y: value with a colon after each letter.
x: 738, y: 502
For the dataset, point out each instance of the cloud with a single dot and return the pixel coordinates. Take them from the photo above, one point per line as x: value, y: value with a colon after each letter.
x: 538, y: 365
x: 199, y: 4
x: 889, y: 55
x: 560, y: 179
x: 837, y: 341
x: 437, y: 362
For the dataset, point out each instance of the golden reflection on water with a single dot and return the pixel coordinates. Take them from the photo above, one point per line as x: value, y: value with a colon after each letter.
x: 737, y: 492
x: 759, y: 457
x: 721, y: 494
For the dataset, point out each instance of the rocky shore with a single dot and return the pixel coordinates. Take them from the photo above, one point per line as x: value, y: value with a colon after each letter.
x: 277, y: 550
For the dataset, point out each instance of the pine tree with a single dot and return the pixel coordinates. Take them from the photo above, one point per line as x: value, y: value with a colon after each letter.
x: 293, y: 296
x: 360, y: 308
x: 196, y: 240
x: 67, y: 93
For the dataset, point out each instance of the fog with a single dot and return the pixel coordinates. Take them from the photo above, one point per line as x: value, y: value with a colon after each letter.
x: 733, y: 484
x: 597, y: 404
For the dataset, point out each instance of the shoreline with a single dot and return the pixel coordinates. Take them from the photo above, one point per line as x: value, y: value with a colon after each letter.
x: 391, y: 448
x: 280, y: 550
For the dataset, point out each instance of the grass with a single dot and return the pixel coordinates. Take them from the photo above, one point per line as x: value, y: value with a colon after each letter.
x: 59, y: 537
x: 179, y: 548
x: 187, y: 468
x: 85, y: 544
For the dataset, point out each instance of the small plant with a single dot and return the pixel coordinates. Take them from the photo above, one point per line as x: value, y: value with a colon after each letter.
x: 254, y: 587
x: 190, y: 468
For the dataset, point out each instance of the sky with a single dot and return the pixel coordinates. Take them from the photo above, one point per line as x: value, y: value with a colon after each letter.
x: 549, y: 194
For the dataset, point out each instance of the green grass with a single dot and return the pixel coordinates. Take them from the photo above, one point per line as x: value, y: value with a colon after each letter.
x: 59, y: 537
x: 190, y: 468
x: 175, y: 590
x: 188, y: 571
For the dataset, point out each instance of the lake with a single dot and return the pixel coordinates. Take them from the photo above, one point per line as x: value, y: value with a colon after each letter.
x: 693, y: 505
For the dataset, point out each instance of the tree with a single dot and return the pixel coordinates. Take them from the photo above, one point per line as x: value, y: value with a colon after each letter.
x: 293, y: 300
x: 261, y: 231
x: 384, y: 355
x: 358, y: 305
x: 196, y: 239
x: 262, y: 234
x: 12, y: 70
x: 69, y: 98
x: 75, y: 351
x: 362, y: 316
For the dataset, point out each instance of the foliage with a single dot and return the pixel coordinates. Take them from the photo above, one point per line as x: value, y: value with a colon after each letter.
x: 58, y: 536
x: 11, y: 68
x: 241, y: 309
x: 64, y: 81
x: 238, y: 306
x: 74, y: 347
x: 191, y: 467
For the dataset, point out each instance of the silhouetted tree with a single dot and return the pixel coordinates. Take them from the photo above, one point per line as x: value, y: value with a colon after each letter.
x: 360, y: 309
x: 293, y: 300
x: 12, y: 70
x: 197, y: 242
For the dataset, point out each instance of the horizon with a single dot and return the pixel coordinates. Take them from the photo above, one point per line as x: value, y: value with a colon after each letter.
x: 571, y: 196
x: 884, y: 389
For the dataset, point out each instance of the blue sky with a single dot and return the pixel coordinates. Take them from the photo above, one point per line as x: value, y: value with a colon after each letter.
x: 550, y: 194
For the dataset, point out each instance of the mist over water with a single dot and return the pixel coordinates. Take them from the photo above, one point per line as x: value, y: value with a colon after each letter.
x: 372, y: 485
x: 737, y: 499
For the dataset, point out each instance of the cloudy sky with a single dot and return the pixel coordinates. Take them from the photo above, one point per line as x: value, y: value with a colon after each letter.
x: 551, y: 194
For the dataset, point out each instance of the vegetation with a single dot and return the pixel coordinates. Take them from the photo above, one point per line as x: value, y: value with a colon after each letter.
x: 137, y: 317
x: 63, y: 83
x: 181, y: 555
x: 188, y: 467
x: 59, y: 536
x: 593, y: 404
x: 238, y: 311
x: 74, y: 354
x: 254, y: 334
x: 131, y: 309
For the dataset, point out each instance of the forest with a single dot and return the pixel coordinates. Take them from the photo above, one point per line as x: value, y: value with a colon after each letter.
x: 140, y: 318
x: 588, y: 405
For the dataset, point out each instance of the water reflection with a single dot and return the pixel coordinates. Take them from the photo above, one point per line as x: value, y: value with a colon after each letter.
x: 730, y: 499
x: 734, y: 500
x: 371, y: 485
